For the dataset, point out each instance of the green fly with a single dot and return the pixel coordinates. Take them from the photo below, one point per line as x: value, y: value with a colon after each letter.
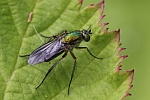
x: 64, y: 42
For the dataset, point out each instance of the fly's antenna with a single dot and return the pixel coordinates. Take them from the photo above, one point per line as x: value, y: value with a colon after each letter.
x: 38, y: 34
x: 89, y: 27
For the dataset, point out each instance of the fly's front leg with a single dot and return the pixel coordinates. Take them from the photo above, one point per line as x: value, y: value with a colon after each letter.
x: 65, y: 54
x: 72, y: 71
x: 55, y: 36
x: 88, y: 51
x: 49, y: 37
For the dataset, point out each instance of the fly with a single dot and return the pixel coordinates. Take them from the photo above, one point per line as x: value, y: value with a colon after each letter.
x: 64, y: 42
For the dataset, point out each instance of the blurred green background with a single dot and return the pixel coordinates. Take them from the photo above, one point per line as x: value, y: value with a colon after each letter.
x: 133, y: 18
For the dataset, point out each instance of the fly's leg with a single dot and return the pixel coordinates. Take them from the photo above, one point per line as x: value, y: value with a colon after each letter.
x: 24, y: 55
x: 50, y: 37
x: 72, y: 71
x: 65, y: 54
x: 88, y: 51
x: 55, y: 36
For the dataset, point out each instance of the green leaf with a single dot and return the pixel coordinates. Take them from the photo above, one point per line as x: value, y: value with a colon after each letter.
x: 94, y: 79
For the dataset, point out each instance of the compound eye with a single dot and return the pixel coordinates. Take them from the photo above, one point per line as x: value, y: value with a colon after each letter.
x: 86, y: 37
x: 90, y: 31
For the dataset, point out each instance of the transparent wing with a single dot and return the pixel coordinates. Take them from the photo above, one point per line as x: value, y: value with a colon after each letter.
x: 46, y: 52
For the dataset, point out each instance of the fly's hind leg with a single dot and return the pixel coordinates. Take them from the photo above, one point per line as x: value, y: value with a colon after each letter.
x: 65, y: 54
x: 88, y: 51
x: 72, y: 71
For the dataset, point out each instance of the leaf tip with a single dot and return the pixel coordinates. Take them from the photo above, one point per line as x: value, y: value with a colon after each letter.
x: 121, y: 49
x: 106, y: 30
x: 101, y: 17
x: 132, y: 74
x: 104, y: 24
x: 80, y: 2
x: 130, y: 84
x: 122, y: 58
x: 118, y: 31
x: 119, y: 68
x: 119, y: 44
x: 100, y: 5
x: 118, y: 35
x: 125, y: 56
x: 127, y: 94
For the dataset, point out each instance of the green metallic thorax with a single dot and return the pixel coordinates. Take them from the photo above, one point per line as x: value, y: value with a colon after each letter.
x: 71, y: 37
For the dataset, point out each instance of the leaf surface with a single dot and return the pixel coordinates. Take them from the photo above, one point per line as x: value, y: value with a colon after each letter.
x: 94, y: 79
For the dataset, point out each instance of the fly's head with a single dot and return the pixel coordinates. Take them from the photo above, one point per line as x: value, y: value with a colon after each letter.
x: 86, y: 34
